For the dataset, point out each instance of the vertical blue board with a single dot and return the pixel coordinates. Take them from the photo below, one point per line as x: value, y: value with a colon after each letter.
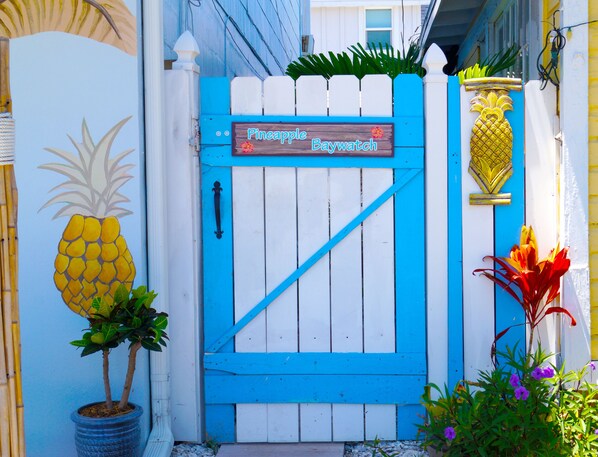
x: 410, y: 253
x: 218, y: 256
x: 508, y: 220
x: 455, y: 240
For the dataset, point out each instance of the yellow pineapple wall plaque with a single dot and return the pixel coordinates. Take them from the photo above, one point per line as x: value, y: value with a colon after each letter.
x: 491, y: 143
x: 93, y: 257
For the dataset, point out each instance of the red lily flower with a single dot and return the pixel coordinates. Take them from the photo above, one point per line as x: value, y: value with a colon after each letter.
x: 533, y: 283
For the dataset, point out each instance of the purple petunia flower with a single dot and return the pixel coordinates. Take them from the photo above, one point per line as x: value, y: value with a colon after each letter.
x: 596, y: 432
x: 548, y: 372
x: 592, y: 365
x: 538, y: 373
x: 521, y: 393
x: 514, y: 381
x: 449, y: 433
x: 542, y: 373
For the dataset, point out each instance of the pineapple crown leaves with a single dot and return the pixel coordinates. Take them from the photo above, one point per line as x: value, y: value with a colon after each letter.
x: 93, y: 177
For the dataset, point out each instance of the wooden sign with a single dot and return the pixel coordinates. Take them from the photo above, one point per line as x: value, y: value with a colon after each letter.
x: 313, y: 139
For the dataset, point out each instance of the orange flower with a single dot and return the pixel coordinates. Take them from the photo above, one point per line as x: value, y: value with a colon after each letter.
x: 377, y: 132
x: 247, y: 147
x: 533, y: 283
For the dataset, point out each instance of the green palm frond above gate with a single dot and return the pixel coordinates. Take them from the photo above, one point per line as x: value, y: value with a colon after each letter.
x: 376, y: 60
x: 106, y: 21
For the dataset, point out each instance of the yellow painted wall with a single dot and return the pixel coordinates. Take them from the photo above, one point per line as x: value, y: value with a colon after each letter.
x: 593, y: 169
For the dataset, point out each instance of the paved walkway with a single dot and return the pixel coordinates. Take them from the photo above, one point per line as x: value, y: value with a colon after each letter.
x: 279, y: 450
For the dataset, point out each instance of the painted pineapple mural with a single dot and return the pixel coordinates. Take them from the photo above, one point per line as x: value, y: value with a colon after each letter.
x: 93, y: 257
x: 491, y: 143
x: 106, y: 21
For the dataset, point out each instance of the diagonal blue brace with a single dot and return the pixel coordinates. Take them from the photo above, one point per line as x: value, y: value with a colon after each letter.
x: 284, y: 285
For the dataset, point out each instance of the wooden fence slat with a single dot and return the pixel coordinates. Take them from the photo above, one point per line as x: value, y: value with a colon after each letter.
x: 311, y: 96
x: 478, y: 241
x: 281, y: 258
x: 246, y: 95
x: 378, y: 260
x: 249, y: 284
x: 246, y: 98
x: 406, y: 363
x: 314, y: 286
x: 346, y: 261
x: 541, y: 183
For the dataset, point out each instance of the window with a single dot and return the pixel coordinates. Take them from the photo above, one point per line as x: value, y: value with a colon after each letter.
x: 509, y: 29
x: 378, y: 27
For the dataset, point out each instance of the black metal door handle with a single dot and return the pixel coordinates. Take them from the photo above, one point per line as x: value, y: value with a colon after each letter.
x: 217, y: 189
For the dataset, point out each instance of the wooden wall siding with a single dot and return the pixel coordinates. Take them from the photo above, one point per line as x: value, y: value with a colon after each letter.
x: 285, y: 209
x: 336, y: 28
x: 261, y: 37
x: 593, y: 172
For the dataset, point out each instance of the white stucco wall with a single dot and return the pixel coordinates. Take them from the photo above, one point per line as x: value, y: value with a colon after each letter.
x: 337, y: 25
x: 57, y: 80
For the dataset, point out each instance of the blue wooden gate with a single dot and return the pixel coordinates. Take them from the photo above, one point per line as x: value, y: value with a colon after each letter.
x: 337, y: 375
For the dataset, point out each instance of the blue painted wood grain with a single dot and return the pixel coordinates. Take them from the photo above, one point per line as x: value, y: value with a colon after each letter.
x: 455, y: 240
x: 404, y: 158
x: 410, y: 266
x: 317, y: 363
x: 220, y: 423
x: 408, y: 94
x: 408, y: 416
x: 215, y: 97
x: 217, y: 257
x: 508, y: 220
x: 377, y: 389
x: 410, y: 301
x: 284, y: 285
x: 217, y: 129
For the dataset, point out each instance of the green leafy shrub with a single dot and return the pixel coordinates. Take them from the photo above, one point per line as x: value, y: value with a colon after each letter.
x: 525, y: 408
x: 130, y: 318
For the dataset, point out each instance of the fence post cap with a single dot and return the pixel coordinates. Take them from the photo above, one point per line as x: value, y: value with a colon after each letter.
x: 187, y: 50
x: 434, y: 60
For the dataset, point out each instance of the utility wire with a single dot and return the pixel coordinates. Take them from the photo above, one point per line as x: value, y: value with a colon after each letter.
x: 554, y: 43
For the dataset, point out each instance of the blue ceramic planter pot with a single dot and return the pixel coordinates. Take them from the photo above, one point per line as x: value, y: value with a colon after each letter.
x: 117, y: 436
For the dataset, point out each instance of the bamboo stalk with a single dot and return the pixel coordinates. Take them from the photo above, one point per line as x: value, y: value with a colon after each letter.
x: 11, y: 200
x: 9, y: 277
x: 12, y: 205
x: 4, y: 396
x: 7, y: 312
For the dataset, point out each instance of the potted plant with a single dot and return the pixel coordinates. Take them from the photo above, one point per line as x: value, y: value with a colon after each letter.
x: 112, y: 427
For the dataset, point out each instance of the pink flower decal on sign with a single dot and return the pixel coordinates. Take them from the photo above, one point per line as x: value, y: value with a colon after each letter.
x: 377, y: 133
x: 247, y: 147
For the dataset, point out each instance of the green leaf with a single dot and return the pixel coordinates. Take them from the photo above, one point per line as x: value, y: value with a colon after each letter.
x: 151, y: 346
x: 161, y: 322
x: 79, y: 343
x: 121, y: 294
x: 136, y: 322
x: 98, y: 338
x: 90, y: 349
